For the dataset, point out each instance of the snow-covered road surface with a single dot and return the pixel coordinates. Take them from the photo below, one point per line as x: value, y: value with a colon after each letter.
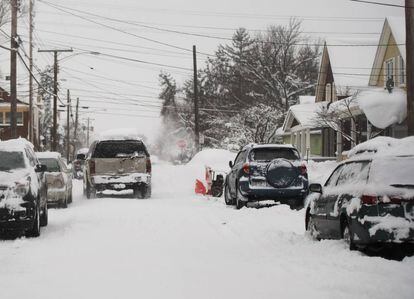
x: 177, y: 245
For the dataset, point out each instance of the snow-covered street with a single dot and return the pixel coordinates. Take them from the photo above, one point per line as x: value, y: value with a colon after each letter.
x: 178, y: 245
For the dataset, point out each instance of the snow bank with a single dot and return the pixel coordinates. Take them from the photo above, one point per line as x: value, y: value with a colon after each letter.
x: 385, y: 146
x: 382, y: 108
x: 218, y: 159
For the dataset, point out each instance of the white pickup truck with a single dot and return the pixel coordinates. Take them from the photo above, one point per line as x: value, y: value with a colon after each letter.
x: 118, y: 165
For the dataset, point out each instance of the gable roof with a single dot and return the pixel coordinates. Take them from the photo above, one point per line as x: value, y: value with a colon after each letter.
x: 304, y: 114
x: 396, y: 27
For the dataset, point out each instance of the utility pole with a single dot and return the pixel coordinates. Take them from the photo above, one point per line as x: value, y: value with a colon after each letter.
x: 409, y: 44
x: 55, y: 93
x: 31, y: 118
x: 76, y: 123
x: 13, y: 70
x: 196, y: 116
x: 87, y: 134
x: 68, y: 128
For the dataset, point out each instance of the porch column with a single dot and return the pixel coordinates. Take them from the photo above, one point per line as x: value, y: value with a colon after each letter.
x: 303, y: 144
x: 296, y: 140
x: 308, y: 144
x: 353, y: 133
x: 338, y: 146
x: 292, y: 138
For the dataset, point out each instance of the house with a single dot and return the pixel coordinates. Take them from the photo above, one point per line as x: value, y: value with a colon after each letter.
x: 299, y: 128
x: 22, y: 117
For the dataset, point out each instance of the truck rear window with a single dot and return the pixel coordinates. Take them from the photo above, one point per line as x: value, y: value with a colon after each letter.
x: 117, y: 149
x: 269, y: 154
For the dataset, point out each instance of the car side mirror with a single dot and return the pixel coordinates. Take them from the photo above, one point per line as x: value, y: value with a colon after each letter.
x: 40, y: 168
x: 231, y: 164
x: 317, y: 188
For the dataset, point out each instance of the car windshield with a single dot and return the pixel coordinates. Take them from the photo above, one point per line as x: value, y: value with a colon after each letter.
x: 269, y: 154
x: 118, y: 149
x: 396, y: 171
x: 51, y: 164
x: 11, y: 160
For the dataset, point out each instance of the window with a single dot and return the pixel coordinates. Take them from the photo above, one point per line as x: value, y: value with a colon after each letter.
x: 1, y: 118
x: 119, y: 149
x: 389, y: 69
x: 334, y: 177
x: 19, y: 118
x: 51, y: 164
x: 11, y: 160
x: 269, y: 154
x: 354, y: 173
x: 240, y: 157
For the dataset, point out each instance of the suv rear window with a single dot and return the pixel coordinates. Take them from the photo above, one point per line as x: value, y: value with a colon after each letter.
x: 269, y: 154
x: 51, y: 164
x: 11, y: 160
x: 116, y: 149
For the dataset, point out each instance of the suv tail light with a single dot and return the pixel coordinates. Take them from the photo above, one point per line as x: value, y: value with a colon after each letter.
x: 92, y: 167
x: 149, y: 167
x: 303, y: 169
x: 246, y: 168
x: 369, y: 199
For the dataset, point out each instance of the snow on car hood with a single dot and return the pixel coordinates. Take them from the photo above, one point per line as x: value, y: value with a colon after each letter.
x: 9, y: 178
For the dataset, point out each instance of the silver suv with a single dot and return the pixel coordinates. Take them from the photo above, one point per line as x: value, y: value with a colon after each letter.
x: 118, y: 165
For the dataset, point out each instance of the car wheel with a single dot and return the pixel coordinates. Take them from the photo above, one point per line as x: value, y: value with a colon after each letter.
x: 227, y: 196
x: 70, y: 197
x: 138, y: 192
x: 311, y: 228
x: 347, y: 236
x: 147, y: 191
x: 35, y: 231
x: 90, y: 191
x: 239, y: 202
x: 44, y: 218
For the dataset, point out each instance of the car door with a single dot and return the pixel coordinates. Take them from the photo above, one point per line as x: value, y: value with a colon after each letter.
x: 320, y: 208
x: 233, y: 175
x: 353, y: 175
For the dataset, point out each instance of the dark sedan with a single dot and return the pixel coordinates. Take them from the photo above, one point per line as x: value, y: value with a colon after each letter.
x: 366, y: 201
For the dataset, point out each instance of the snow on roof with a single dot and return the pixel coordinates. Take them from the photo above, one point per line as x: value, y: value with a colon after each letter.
x: 18, y: 144
x: 120, y: 134
x: 349, y: 62
x: 382, y: 108
x: 383, y: 145
x: 305, y: 113
x: 48, y: 155
x: 397, y: 25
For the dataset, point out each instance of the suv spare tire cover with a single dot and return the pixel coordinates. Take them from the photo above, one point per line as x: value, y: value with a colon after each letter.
x: 281, y: 173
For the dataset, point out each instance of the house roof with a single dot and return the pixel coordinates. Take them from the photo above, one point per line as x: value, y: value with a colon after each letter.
x: 304, y: 114
x: 396, y: 27
x: 351, y: 60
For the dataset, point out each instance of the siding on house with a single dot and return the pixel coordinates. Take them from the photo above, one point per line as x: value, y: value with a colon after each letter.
x: 392, y: 51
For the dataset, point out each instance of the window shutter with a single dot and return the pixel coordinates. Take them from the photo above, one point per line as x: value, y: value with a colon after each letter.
x: 394, y: 71
x: 384, y: 67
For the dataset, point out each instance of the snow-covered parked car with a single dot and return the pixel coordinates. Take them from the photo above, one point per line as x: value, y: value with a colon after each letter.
x: 58, y: 179
x: 79, y: 163
x: 23, y: 204
x: 118, y: 164
x: 267, y: 172
x: 367, y: 200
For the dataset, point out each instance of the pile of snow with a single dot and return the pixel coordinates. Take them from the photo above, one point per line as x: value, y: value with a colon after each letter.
x: 120, y: 134
x: 385, y: 146
x: 382, y: 108
x: 217, y: 159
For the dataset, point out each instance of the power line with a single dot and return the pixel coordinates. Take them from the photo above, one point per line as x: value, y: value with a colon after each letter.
x: 381, y: 3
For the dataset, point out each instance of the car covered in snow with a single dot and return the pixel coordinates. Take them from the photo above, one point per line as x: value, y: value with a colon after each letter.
x: 368, y: 200
x: 118, y: 164
x: 267, y: 172
x: 23, y: 204
x: 58, y: 179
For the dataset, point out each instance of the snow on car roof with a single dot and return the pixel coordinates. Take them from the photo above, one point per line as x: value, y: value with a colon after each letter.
x: 18, y: 144
x: 384, y: 146
x: 84, y: 150
x: 120, y: 134
x: 269, y: 145
x: 48, y: 155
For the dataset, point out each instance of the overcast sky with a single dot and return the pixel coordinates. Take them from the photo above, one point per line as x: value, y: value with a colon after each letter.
x: 122, y: 93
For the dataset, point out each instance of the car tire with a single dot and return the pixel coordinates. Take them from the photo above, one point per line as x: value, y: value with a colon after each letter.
x: 35, y: 231
x: 227, y: 196
x: 70, y: 197
x: 138, y: 192
x: 90, y: 191
x: 347, y: 235
x: 239, y: 203
x: 311, y: 228
x: 44, y: 218
x: 147, y: 191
